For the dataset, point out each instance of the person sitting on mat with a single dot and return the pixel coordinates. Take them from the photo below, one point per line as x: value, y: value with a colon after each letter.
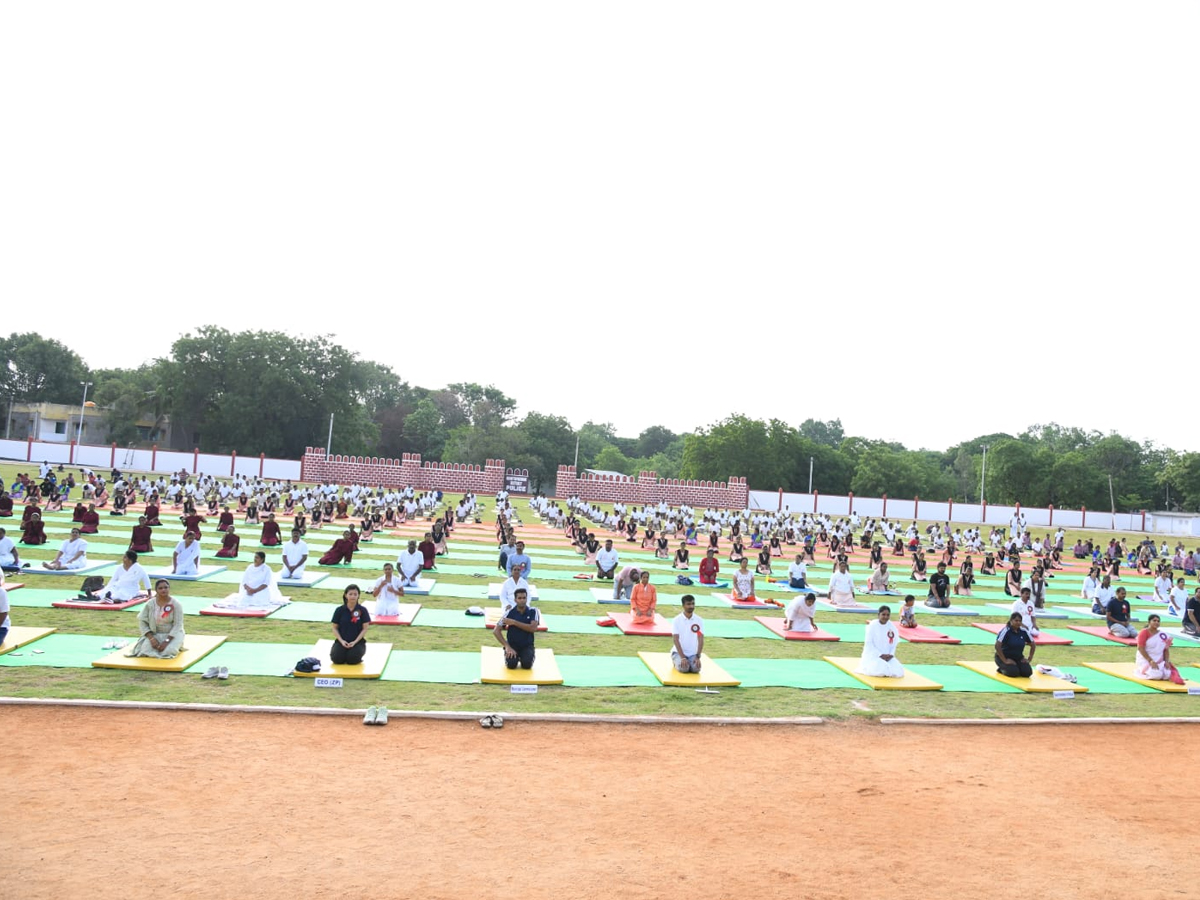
x: 1153, y: 661
x: 295, y: 555
x: 743, y: 584
x: 141, y: 537
x: 662, y: 547
x: 989, y: 564
x: 1191, y: 615
x: 387, y: 592
x: 160, y: 623
x: 259, y: 589
x: 5, y: 621
x: 764, y: 562
x: 879, y: 582
x: 918, y: 566
x: 606, y: 561
x: 230, y: 544
x: 643, y: 602
x: 10, y: 559
x: 186, y: 558
x: 521, y: 624
x: 89, y: 523
x: 966, y: 578
x: 1010, y: 649
x: 841, y: 586
x: 271, y: 536
x: 687, y: 636
x: 225, y: 521
x: 939, y: 588
x: 127, y: 582
x: 411, y: 564
x: 682, y: 557
x: 71, y: 555
x: 508, y: 590
x: 798, y: 574
x: 342, y: 551
x: 1102, y: 595
x: 879, y: 648
x: 428, y: 550
x: 1117, y: 616
x: 33, y: 531
x: 801, y: 614
x: 709, y: 567
x: 1023, y: 606
x: 908, y: 612
x: 350, y: 621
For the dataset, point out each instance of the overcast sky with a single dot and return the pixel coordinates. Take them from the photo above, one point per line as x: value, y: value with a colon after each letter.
x: 932, y: 220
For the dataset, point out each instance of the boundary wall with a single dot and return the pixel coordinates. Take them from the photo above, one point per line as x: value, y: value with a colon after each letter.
x: 408, y: 470
x: 649, y: 488
x: 974, y: 513
x: 108, y: 456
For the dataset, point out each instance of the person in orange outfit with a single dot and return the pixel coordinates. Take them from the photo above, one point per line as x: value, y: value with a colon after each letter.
x: 644, y: 601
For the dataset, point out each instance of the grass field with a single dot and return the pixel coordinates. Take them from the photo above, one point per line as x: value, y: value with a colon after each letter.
x: 554, y: 566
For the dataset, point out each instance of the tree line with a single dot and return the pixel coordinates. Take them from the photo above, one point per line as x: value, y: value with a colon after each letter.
x: 269, y: 392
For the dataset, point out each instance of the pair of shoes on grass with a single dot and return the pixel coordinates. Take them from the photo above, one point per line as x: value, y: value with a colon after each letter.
x: 220, y: 672
x: 115, y: 645
x: 492, y: 722
x: 376, y: 715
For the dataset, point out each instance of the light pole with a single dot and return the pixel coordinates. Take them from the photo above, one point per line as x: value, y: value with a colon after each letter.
x: 13, y: 395
x: 982, y: 474
x: 82, y: 404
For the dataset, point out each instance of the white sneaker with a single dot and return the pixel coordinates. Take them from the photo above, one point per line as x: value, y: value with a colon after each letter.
x: 211, y: 672
x: 372, y: 714
x: 223, y: 673
x: 381, y: 716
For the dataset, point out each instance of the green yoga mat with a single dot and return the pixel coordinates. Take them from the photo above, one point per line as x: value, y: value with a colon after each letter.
x: 254, y: 659
x: 1079, y: 638
x: 736, y: 628
x: 605, y: 671
x: 61, y: 651
x: 432, y: 666
x: 967, y: 635
x: 797, y: 673
x: 305, y: 611
x: 42, y: 597
x: 958, y: 679
x: 1103, y: 683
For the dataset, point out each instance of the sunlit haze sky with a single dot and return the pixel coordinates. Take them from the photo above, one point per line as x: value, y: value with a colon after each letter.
x: 932, y: 220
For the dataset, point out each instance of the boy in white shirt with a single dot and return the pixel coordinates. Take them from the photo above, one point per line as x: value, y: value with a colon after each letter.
x: 687, y: 632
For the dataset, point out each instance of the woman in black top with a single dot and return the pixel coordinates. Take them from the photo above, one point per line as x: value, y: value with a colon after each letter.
x: 350, y: 621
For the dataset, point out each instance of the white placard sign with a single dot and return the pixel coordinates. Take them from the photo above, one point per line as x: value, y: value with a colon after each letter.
x: 1064, y: 695
x: 523, y: 689
x: 1193, y: 689
x: 327, y: 682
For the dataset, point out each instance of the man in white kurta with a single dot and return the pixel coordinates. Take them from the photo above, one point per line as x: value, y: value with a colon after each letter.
x: 411, y: 563
x: 879, y: 648
x: 259, y: 590
x: 387, y: 592
x: 128, y: 581
x: 186, y: 558
x: 9, y: 557
x: 71, y: 555
x: 295, y: 555
x: 508, y: 590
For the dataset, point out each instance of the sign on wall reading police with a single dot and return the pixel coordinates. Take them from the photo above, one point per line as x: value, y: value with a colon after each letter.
x: 516, y: 484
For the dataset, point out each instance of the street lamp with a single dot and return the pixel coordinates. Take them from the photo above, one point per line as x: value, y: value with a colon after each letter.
x: 82, y: 404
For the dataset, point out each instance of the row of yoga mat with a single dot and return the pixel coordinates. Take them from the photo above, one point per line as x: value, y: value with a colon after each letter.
x: 42, y: 647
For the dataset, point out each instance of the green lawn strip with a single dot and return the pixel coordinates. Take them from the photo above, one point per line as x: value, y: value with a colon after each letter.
x: 253, y: 658
x: 958, y: 678
x: 73, y: 651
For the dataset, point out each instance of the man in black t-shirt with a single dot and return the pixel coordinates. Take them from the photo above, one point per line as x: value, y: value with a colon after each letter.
x: 521, y: 623
x: 939, y: 588
x: 1117, y: 613
x: 1191, y: 615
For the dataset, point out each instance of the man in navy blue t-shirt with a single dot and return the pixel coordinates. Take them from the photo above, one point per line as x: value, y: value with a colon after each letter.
x: 521, y: 623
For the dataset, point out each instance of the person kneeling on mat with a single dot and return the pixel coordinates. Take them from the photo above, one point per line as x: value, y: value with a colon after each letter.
x: 350, y: 621
x: 687, y: 631
x: 1010, y: 649
x: 522, y: 622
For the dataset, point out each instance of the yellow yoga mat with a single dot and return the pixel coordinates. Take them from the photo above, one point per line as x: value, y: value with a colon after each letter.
x: 1125, y: 670
x: 195, y: 648
x: 711, y: 675
x: 1035, y: 684
x: 910, y: 682
x: 20, y: 635
x: 372, y: 665
x: 493, y: 671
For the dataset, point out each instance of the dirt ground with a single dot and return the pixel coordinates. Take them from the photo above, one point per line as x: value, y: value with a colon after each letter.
x: 129, y: 804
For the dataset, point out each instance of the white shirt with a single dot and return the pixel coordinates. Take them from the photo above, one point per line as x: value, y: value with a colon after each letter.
x: 508, y: 593
x: 125, y: 584
x: 798, y: 570
x: 294, y: 551
x: 688, y: 631
x: 3, y: 608
x: 6, y: 551
x: 606, y: 559
x: 1026, y: 611
x: 841, y: 581
x: 800, y: 614
x: 410, y: 564
x: 1090, y: 586
x: 70, y: 547
x: 1178, y: 600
